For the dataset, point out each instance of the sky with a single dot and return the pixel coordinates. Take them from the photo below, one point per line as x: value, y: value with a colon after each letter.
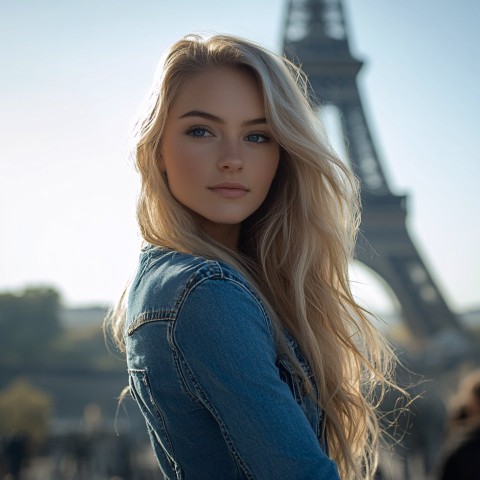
x: 73, y: 75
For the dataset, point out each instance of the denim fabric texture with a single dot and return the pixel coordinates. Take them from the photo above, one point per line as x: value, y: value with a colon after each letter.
x: 218, y: 401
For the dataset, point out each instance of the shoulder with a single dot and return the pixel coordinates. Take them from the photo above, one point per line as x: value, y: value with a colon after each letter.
x: 165, y: 280
x: 468, y: 447
x: 461, y: 453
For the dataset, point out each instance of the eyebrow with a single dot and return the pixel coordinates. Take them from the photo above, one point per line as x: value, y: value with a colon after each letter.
x: 214, y: 118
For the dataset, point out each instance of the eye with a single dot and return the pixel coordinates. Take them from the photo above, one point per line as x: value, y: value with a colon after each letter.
x: 257, y: 138
x: 199, y: 132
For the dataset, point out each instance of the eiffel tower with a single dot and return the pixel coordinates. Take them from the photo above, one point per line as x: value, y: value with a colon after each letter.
x: 315, y: 36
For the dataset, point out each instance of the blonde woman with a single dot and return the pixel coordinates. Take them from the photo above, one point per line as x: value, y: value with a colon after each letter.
x: 246, y: 352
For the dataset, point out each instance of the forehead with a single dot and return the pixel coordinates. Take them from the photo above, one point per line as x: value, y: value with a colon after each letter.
x: 223, y: 89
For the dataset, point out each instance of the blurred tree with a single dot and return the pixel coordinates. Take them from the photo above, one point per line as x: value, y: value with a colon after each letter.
x: 84, y: 347
x: 24, y: 411
x: 33, y: 335
x: 29, y: 321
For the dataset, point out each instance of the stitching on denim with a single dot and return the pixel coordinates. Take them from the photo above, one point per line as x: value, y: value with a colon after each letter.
x: 161, y: 420
x: 181, y: 365
x: 301, y: 359
x: 291, y: 378
x: 171, y: 341
x: 234, y: 277
x: 144, y: 380
x: 213, y: 270
x: 201, y: 393
x: 219, y: 270
x: 252, y: 294
x: 175, y: 469
x: 223, y: 428
x: 309, y: 406
x: 318, y: 422
x: 178, y: 360
x: 196, y: 279
x: 195, y: 282
x: 148, y: 317
x: 156, y: 447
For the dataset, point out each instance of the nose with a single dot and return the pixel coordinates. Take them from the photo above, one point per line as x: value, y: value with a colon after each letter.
x: 230, y: 158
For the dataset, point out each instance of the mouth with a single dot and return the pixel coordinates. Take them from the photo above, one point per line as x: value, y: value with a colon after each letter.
x: 229, y: 190
x: 229, y: 186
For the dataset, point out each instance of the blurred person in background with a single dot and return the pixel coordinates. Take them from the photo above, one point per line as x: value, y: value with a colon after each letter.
x: 461, y: 456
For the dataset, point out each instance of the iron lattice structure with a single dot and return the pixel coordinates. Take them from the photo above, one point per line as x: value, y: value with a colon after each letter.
x: 315, y: 36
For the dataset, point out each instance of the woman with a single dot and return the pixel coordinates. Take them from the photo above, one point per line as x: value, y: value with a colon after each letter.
x: 247, y: 353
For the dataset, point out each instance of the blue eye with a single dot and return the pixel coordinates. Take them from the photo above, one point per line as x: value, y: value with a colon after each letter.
x: 199, y: 132
x: 257, y: 138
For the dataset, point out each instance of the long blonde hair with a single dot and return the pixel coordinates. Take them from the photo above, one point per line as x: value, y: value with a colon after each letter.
x: 294, y: 249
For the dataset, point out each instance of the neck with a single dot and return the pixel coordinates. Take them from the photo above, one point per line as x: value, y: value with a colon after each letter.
x: 227, y: 235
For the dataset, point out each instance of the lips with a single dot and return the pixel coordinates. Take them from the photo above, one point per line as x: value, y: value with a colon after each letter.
x: 229, y: 189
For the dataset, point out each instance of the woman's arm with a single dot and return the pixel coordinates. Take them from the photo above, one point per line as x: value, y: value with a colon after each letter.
x: 224, y: 338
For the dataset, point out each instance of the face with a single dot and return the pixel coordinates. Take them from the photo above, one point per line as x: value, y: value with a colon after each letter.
x: 218, y: 151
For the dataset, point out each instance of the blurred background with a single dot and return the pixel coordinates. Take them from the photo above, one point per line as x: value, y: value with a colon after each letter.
x: 73, y: 75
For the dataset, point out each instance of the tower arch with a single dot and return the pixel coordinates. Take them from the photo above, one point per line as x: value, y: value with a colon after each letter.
x: 316, y: 36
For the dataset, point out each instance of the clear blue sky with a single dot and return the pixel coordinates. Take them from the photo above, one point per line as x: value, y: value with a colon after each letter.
x: 74, y: 73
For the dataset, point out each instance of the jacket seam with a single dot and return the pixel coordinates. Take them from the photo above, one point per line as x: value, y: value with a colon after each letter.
x: 149, y: 317
x: 200, y: 392
x: 170, y: 455
x: 215, y: 272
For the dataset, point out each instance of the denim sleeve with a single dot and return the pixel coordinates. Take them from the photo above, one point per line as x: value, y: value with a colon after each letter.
x: 223, y: 337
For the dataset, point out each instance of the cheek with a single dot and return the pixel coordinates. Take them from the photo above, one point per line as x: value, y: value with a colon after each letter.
x: 270, y: 169
x: 183, y: 161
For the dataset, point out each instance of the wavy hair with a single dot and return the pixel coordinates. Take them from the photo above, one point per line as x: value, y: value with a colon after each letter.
x: 295, y: 249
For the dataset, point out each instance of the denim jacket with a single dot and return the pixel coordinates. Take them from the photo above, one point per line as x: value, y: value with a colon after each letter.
x: 204, y: 369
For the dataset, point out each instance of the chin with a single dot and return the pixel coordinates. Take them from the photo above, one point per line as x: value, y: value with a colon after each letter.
x: 228, y: 219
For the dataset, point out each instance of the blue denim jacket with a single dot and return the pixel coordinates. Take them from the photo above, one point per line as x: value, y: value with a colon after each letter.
x: 204, y: 370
